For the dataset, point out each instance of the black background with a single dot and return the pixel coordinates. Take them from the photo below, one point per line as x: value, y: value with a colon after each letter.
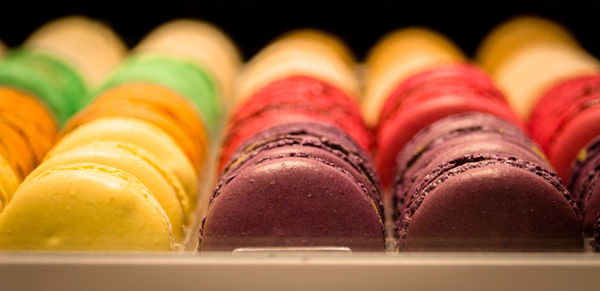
x: 360, y: 23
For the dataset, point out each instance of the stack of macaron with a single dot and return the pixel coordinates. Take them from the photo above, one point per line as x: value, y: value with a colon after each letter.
x: 294, y: 165
x: 428, y: 96
x: 192, y: 58
x: 398, y: 55
x: 475, y: 182
x: 301, y: 184
x: 42, y: 84
x: 28, y: 130
x: 415, y: 77
x: 112, y: 184
x: 528, y: 55
x: 60, y: 61
x: 126, y: 171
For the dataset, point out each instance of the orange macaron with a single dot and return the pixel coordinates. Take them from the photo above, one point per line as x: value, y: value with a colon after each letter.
x: 32, y: 117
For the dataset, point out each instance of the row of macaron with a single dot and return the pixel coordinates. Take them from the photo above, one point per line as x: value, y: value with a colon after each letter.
x: 466, y: 182
x: 314, y: 73
x: 134, y: 135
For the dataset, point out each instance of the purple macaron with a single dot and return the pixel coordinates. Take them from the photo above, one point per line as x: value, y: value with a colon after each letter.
x: 473, y: 182
x: 296, y: 185
x: 584, y: 184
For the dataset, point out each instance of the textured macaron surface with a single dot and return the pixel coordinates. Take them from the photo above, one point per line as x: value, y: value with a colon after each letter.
x: 490, y: 202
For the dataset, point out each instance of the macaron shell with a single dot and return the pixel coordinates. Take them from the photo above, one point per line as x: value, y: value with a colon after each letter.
x: 89, y: 45
x: 397, y: 131
x: 309, y: 146
x: 84, y: 207
x: 536, y: 217
x: 518, y: 33
x: 140, y: 133
x: 201, y: 42
x: 591, y: 208
x: 299, y: 208
x: 139, y: 166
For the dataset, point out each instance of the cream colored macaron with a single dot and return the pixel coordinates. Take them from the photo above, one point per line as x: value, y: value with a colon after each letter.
x: 142, y: 134
x: 200, y: 42
x: 304, y: 52
x: 89, y: 45
x: 163, y: 186
x: 85, y: 207
x: 518, y: 33
x: 398, y: 55
x: 528, y: 73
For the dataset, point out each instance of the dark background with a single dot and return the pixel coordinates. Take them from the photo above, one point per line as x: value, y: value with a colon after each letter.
x: 360, y: 23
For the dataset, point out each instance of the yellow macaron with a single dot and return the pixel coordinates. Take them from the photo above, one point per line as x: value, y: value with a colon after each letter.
x: 204, y: 44
x: 516, y: 34
x: 8, y: 181
x: 140, y: 133
x: 85, y: 207
x: 88, y: 45
x: 163, y: 186
x: 398, y: 55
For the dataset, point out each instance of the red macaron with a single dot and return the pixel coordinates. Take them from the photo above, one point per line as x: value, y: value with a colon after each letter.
x: 427, y: 97
x: 566, y: 118
x: 294, y: 99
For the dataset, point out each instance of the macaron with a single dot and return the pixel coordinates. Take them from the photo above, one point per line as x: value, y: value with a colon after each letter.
x: 486, y: 202
x: 31, y: 116
x: 89, y: 46
x: 161, y: 183
x: 517, y: 33
x: 84, y: 207
x: 176, y: 73
x: 583, y: 184
x: 566, y: 119
x: 294, y: 99
x: 398, y: 55
x: 474, y: 182
x: 204, y: 44
x: 157, y: 105
x: 142, y: 134
x: 429, y: 96
x: 300, y: 184
x: 306, y: 53
x: 462, y: 134
x: 2, y: 48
